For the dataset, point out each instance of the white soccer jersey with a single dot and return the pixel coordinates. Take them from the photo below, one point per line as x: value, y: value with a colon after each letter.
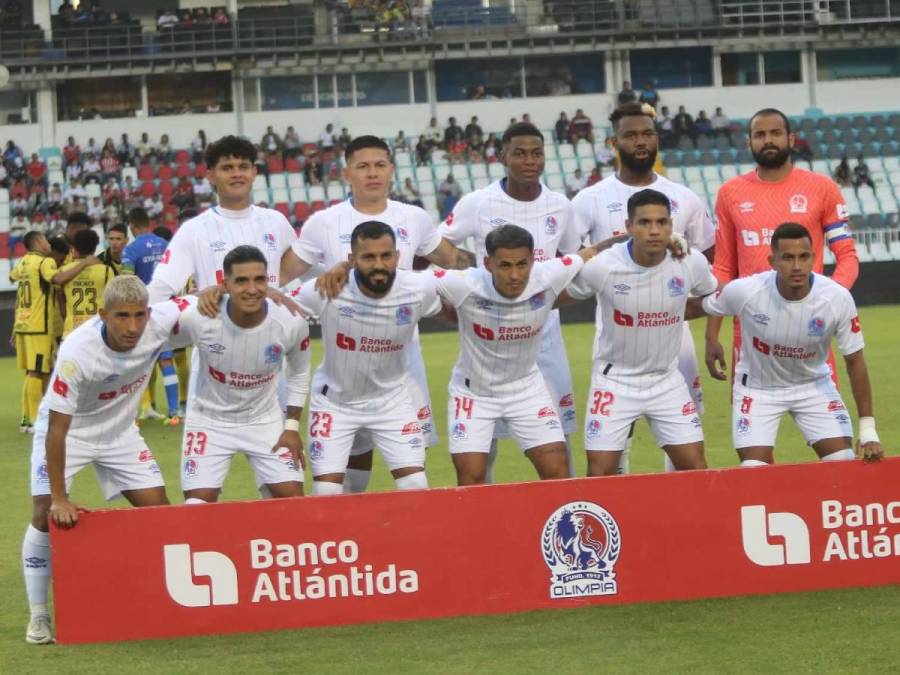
x: 603, y: 207
x: 499, y: 337
x: 325, y: 237
x: 550, y: 219
x: 100, y: 387
x: 237, y: 382
x: 200, y: 245
x: 366, y: 339
x: 640, y: 310
x: 785, y: 343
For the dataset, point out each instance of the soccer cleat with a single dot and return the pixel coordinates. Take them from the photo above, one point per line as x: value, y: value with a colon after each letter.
x: 39, y: 631
x: 151, y: 414
x: 172, y: 421
x: 26, y: 428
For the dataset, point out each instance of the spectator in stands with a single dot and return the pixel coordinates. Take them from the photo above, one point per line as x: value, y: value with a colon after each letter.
x: 125, y: 152
x: 92, y: 147
x: 312, y: 170
x: 433, y: 134
x: 627, y: 95
x: 74, y: 170
x: 683, y: 125
x: 423, y: 151
x: 703, y: 125
x: 595, y: 177
x: 167, y: 20
x: 36, y: 171
x: 478, y: 93
x: 164, y: 149
x: 17, y: 229
x: 95, y: 211
x: 449, y: 193
x: 73, y: 190
x: 562, y: 128
x: 144, y: 148
x: 512, y: 122
x: 19, y: 203
x: 203, y: 192
x: 476, y: 150
x: 71, y: 152
x: 722, y: 126
x: 185, y: 19
x: 111, y: 192
x: 54, y: 198
x: 56, y: 225
x: 112, y: 216
x: 801, y: 150
x: 861, y: 175
x: 93, y: 171
x: 474, y: 132
x: 65, y: 12
x: 202, y: 17
x: 110, y: 145
x: 183, y: 197
x: 292, y: 143
x: 262, y: 166
x: 843, y: 176
x: 492, y: 148
x: 344, y: 139
x: 12, y: 153
x: 186, y: 108
x: 37, y: 199
x: 220, y: 17
x: 665, y: 127
x: 401, y: 142
x: 453, y: 134
x: 129, y: 194
x: 581, y: 127
x: 328, y: 139
x: 410, y: 194
x: 270, y: 143
x: 576, y: 183
x: 649, y: 95
x: 198, y: 147
x: 153, y: 206
x: 110, y: 164
x: 4, y: 176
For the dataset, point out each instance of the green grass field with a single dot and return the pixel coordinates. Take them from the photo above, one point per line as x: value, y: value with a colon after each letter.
x: 839, y: 631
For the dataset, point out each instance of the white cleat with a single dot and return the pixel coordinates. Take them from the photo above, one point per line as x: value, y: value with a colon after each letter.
x: 39, y: 631
x: 151, y: 414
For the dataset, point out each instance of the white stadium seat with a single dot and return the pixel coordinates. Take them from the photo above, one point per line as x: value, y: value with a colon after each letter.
x: 277, y: 181
x: 295, y: 180
x: 261, y: 195
x: 496, y: 171
x: 566, y: 151
x: 280, y: 195
x: 478, y: 170
x: 316, y: 193
x: 259, y: 183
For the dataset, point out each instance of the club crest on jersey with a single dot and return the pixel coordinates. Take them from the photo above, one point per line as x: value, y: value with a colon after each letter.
x: 459, y: 431
x: 269, y: 241
x: 798, y: 203
x: 538, y: 300
x: 190, y: 468
x: 551, y: 226
x: 273, y: 353
x: 743, y: 424
x: 402, y: 235
x: 580, y: 544
x: 816, y: 327
x: 593, y: 428
x: 42, y: 474
x: 676, y: 287
x: 762, y: 319
x: 315, y: 450
x: 673, y: 206
x: 404, y: 315
x: 217, y: 246
x: 622, y: 289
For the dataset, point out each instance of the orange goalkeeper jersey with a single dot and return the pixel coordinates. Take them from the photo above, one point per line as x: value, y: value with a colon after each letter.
x: 748, y: 210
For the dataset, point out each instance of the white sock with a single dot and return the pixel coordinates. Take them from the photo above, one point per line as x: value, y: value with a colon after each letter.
x: 324, y: 487
x: 36, y: 565
x: 492, y: 458
x: 194, y: 500
x: 840, y: 456
x: 356, y: 480
x: 624, y: 464
x: 753, y: 462
x: 570, y: 459
x: 414, y: 481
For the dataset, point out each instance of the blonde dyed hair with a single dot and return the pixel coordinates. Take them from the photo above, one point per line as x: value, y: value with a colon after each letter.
x: 127, y: 289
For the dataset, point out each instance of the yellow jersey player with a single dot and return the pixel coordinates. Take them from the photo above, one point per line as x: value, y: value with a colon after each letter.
x: 116, y: 240
x: 84, y: 293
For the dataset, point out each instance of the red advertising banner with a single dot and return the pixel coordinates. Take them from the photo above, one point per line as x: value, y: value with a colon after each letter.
x: 315, y: 561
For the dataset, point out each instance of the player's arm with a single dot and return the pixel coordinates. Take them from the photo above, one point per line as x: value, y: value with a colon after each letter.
x: 868, y: 446
x: 63, y: 512
x: 725, y: 268
x: 297, y: 361
x: 292, y: 267
x: 835, y: 225
x: 174, y: 268
x: 587, y: 283
x: 68, y: 272
x: 451, y: 257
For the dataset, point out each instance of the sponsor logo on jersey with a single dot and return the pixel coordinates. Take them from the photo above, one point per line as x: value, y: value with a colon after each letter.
x: 568, y: 415
x: 424, y: 413
x: 145, y: 455
x: 483, y: 332
x: 842, y: 418
x: 218, y: 246
x: 415, y: 442
x: 746, y: 404
x: 623, y: 319
x: 537, y: 301
x: 440, y: 274
x: 402, y: 235
x: 593, y: 428
x: 106, y: 395
x: 746, y: 207
x: 750, y: 237
x: 614, y: 207
x: 449, y: 220
x: 551, y: 226
x: 581, y: 543
x: 743, y: 424
x: 761, y: 319
x: 287, y: 459
x: 60, y: 387
x: 345, y: 342
x: 315, y: 450
x: 622, y: 289
x: 566, y: 260
x: 427, y: 428
x: 798, y: 203
x: 190, y: 468
x: 216, y: 348
x: 834, y: 406
x: 567, y: 401
x: 273, y: 353
x: 404, y: 315
x: 410, y: 428
x: 552, y: 424
x: 676, y: 287
x: 843, y: 213
x: 458, y: 431
x: 761, y: 347
x: 816, y: 327
x: 673, y: 206
x: 854, y: 325
x: 166, y: 256
x: 346, y: 310
x: 217, y: 375
x: 696, y: 422
x: 546, y: 411
x: 269, y: 241
x: 689, y: 408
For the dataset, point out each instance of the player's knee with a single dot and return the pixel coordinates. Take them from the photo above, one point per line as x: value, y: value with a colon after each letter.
x: 361, y: 462
x: 603, y: 463
x: 839, y: 456
x: 750, y: 463
x: 40, y: 512
x: 325, y: 487
x: 412, y: 481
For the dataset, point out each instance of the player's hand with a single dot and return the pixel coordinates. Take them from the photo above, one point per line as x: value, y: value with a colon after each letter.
x: 285, y: 301
x: 715, y: 360
x: 12, y: 341
x: 869, y: 452
x: 65, y: 513
x: 290, y: 440
x: 678, y: 245
x: 331, y: 283
x: 208, y: 301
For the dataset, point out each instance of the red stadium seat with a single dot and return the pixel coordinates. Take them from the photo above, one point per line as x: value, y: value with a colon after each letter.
x: 200, y: 170
x: 18, y: 189
x: 284, y: 208
x: 183, y: 171
x: 146, y: 172
x: 148, y: 188
x: 166, y: 172
x: 182, y: 157
x: 310, y: 148
x: 293, y: 165
x: 301, y: 211
x: 318, y: 206
x: 166, y: 189
x: 335, y: 201
x: 275, y: 165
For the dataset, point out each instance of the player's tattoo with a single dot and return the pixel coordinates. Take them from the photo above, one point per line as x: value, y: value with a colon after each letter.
x: 464, y: 259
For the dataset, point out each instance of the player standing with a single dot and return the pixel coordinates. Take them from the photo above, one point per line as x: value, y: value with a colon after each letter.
x: 642, y: 291
x: 87, y: 417
x: 235, y: 406
x: 749, y: 206
x: 501, y: 310
x: 84, y: 293
x: 788, y: 317
x: 362, y: 383
x: 521, y: 199
x: 116, y: 240
x: 325, y: 241
x: 602, y: 212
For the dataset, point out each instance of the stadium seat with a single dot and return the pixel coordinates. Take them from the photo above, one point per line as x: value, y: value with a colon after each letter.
x: 260, y: 195
x: 423, y: 173
x: 200, y: 170
x: 146, y: 172
x: 316, y: 193
x: 568, y: 166
x: 295, y: 180
x: 280, y: 195
x: 182, y: 157
x: 259, y: 182
x: 480, y: 183
x: 92, y: 190
x: 182, y: 171
x: 54, y: 162
x: 566, y: 151
x: 478, y: 170
x: 292, y: 165
x: 57, y: 176
x: 128, y: 172
x: 275, y: 165
x: 166, y: 172
x: 4, y: 196
x: 555, y: 182
x: 317, y: 206
x: 283, y: 208
x: 335, y: 190
x: 301, y: 211
x: 148, y: 188
x: 496, y: 171
x: 403, y: 173
x: 166, y: 190
x: 879, y: 250
x: 298, y: 194
x: 277, y: 181
x: 403, y: 159
x: 426, y: 186
x: 587, y: 164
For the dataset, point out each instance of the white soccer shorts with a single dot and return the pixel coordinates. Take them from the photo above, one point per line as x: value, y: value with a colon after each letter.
x: 530, y: 417
x: 687, y: 366
x: 125, y: 463
x: 819, y: 411
x: 612, y: 407
x: 393, y: 428
x: 208, y: 447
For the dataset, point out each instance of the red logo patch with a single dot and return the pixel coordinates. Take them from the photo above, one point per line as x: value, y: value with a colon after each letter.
x: 305, y: 344
x: 689, y: 408
x: 854, y: 325
x: 567, y: 401
x: 145, y: 455
x: 167, y: 254
x: 623, y: 319
x: 217, y: 375
x: 566, y: 260
x: 344, y: 342
x: 761, y: 346
x: 546, y: 411
x: 834, y: 406
x: 482, y: 332
x: 60, y: 387
x: 424, y: 413
x: 411, y: 428
x: 746, y: 402
x: 439, y: 273
x: 449, y: 220
x: 181, y: 303
x: 107, y: 395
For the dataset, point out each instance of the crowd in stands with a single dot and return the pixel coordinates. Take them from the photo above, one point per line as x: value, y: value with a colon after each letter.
x: 857, y: 177
x: 400, y: 19
x: 89, y: 13
x: 11, y: 14
x: 198, y: 17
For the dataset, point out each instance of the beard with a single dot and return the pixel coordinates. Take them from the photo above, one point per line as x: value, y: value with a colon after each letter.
x: 636, y: 165
x: 768, y: 161
x: 377, y: 286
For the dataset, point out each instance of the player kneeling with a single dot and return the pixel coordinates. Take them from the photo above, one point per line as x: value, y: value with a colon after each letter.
x: 87, y: 417
x: 788, y: 317
x: 235, y: 405
x: 642, y: 292
x: 501, y: 310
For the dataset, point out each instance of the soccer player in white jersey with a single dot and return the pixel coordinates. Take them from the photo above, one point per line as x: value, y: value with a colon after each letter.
x: 788, y: 318
x: 87, y: 417
x: 325, y: 241
x: 501, y: 310
x: 641, y: 291
x: 521, y: 199
x: 362, y: 383
x: 235, y: 407
x: 602, y: 212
